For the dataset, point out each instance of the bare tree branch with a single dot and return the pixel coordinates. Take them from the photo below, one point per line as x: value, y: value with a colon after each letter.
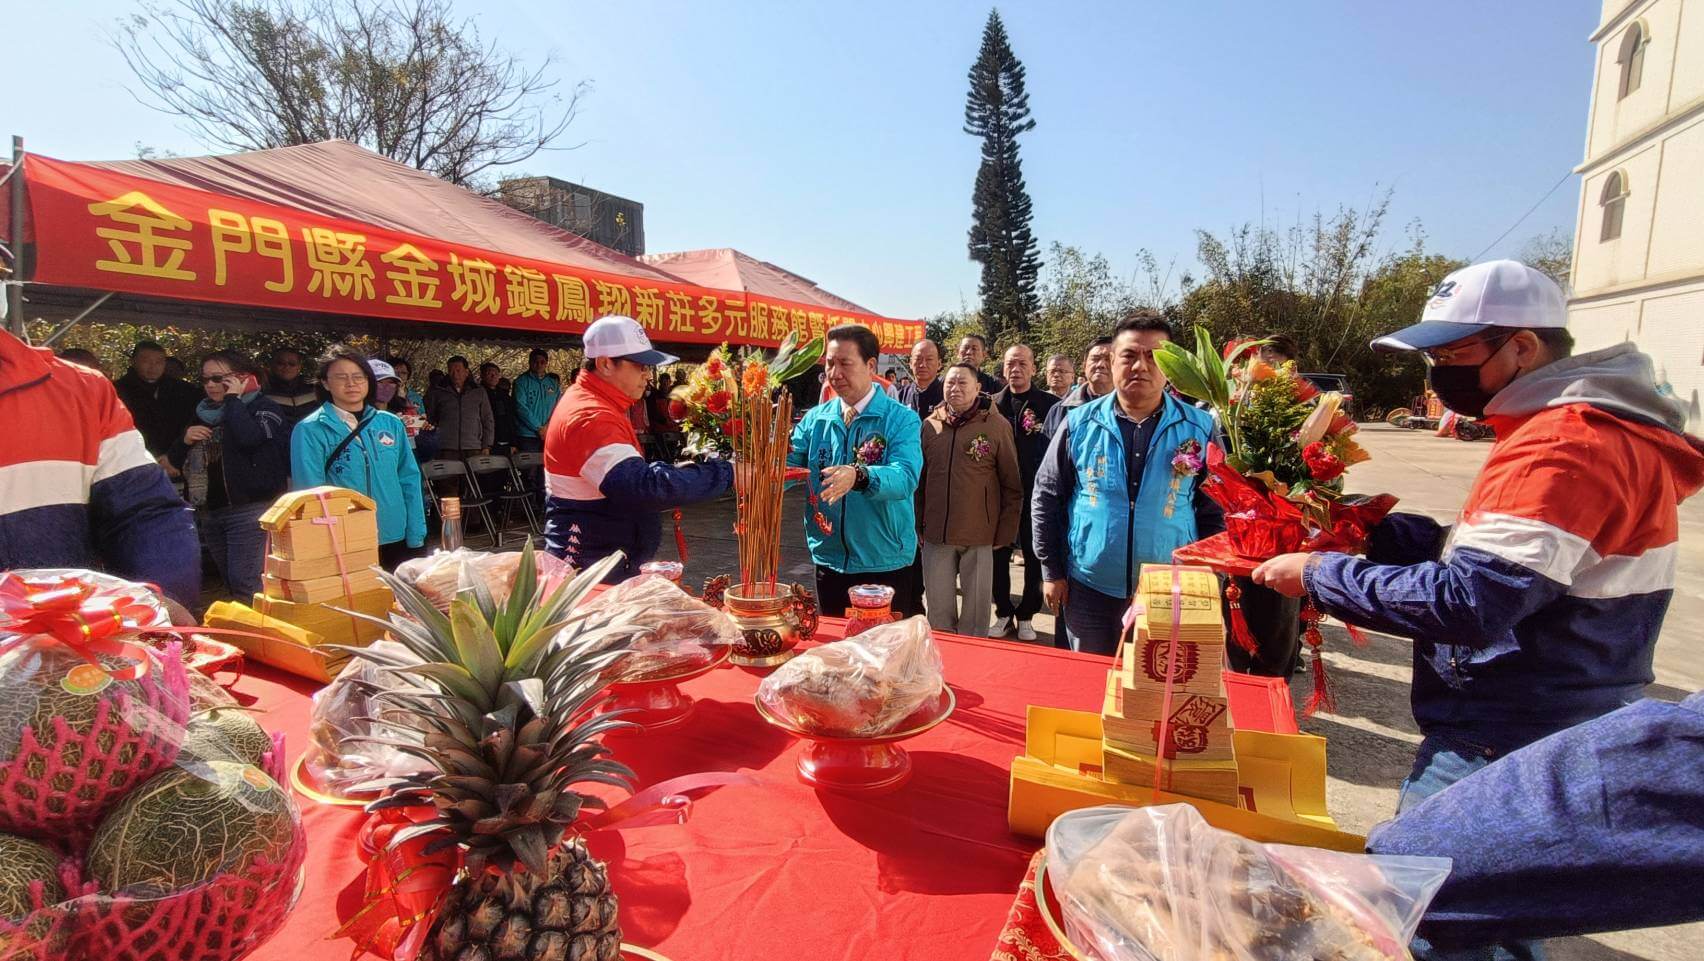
x: 404, y: 78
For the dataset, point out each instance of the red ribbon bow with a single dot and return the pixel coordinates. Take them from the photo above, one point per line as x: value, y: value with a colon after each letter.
x: 84, y: 616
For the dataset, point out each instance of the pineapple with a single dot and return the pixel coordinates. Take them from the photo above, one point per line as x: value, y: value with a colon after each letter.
x: 508, y: 732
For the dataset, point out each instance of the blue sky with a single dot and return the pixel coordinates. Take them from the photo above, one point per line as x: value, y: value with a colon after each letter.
x: 826, y: 137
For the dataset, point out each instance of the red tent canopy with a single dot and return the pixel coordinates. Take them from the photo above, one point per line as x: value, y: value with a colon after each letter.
x: 334, y: 228
x: 729, y: 269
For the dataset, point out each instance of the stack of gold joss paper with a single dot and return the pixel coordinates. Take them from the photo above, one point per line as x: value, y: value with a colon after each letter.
x: 1178, y: 628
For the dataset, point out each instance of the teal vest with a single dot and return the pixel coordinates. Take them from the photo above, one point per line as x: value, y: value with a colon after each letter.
x: 1111, y: 537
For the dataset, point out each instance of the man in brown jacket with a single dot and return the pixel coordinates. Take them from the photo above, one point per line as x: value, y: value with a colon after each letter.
x: 970, y: 498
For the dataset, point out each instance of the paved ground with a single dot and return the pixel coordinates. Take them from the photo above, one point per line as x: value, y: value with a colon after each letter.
x: 1372, y: 738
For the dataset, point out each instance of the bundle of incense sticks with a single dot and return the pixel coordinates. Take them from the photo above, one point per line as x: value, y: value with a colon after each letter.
x: 760, y: 466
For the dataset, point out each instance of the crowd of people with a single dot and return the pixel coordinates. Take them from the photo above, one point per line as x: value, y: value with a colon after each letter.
x: 178, y: 469
x: 1534, y: 623
x: 1534, y: 619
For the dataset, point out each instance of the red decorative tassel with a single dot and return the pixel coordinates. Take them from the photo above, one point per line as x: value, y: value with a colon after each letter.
x: 1239, y: 624
x: 1322, y: 698
x: 680, y: 537
x: 1356, y: 635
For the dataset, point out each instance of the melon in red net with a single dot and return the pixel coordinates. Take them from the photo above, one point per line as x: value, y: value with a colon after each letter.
x: 34, y: 918
x: 74, y: 739
x: 202, y: 863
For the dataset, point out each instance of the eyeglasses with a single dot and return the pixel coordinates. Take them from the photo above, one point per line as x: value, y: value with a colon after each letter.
x: 356, y: 378
x: 214, y: 378
x: 1451, y: 356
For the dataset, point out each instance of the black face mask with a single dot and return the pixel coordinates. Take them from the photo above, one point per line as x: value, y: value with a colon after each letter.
x: 1457, y: 386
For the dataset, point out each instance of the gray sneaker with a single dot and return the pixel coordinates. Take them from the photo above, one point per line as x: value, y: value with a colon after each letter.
x: 1026, y: 631
x: 1000, y: 626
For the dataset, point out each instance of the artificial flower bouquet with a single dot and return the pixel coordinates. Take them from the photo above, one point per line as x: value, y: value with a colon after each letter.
x: 711, y: 406
x: 735, y: 406
x: 1281, y: 479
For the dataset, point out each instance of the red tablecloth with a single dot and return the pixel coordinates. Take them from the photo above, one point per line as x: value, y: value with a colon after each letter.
x: 776, y: 870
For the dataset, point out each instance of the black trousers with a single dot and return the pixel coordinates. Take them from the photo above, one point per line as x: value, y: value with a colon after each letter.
x: 831, y: 588
x: 1030, y: 602
x: 1275, y: 622
x: 394, y: 553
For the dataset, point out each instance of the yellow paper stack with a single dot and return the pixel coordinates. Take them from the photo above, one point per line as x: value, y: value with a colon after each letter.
x: 325, y: 542
x: 1190, y: 643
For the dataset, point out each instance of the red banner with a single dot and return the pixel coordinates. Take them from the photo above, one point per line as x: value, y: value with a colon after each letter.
x: 106, y: 230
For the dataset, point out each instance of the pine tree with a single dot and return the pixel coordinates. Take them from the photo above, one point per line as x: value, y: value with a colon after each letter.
x: 997, y: 110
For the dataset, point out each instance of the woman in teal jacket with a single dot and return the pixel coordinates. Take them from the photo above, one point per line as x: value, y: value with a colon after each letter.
x: 349, y: 443
x: 864, y: 459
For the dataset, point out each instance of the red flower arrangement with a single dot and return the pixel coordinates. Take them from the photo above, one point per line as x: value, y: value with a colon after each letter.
x: 1323, y: 465
x: 1281, y: 481
x: 711, y: 404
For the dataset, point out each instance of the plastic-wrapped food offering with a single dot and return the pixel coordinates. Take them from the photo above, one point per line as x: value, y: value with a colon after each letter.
x: 860, y: 687
x: 670, y: 632
x: 440, y: 576
x: 1161, y: 884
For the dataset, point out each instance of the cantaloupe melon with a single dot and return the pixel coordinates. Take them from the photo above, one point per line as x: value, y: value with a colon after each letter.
x: 182, y: 828
x: 74, y: 739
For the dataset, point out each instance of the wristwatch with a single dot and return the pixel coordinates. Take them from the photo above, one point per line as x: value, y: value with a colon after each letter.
x: 863, y: 480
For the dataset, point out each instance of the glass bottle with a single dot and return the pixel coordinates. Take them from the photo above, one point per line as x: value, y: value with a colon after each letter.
x: 451, y: 537
x: 871, y: 605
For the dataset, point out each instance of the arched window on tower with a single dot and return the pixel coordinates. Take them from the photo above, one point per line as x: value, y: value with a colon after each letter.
x: 1613, y: 200
x: 1632, y: 58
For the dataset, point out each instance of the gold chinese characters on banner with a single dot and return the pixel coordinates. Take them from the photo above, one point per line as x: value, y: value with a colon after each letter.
x: 105, y: 230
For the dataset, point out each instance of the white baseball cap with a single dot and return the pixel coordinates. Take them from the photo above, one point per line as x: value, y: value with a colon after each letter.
x: 618, y: 336
x: 382, y: 370
x: 1497, y: 293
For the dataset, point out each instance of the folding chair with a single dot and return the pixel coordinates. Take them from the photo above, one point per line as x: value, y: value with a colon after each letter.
x: 508, y: 495
x: 530, y: 466
x: 437, y: 472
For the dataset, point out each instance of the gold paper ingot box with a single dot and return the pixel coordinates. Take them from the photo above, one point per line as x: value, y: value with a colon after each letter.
x: 324, y: 545
x: 334, y: 626
x: 1180, y: 636
x: 303, y: 527
x: 322, y: 590
x: 1280, y: 783
x: 314, y: 568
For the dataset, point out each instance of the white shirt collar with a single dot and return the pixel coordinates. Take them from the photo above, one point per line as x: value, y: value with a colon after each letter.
x: 860, y: 406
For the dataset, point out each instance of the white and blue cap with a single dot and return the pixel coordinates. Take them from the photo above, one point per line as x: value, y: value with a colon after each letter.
x: 1495, y: 294
x: 623, y: 338
x: 382, y: 370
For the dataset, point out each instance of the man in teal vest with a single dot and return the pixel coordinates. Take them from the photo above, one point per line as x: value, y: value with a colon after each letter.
x: 864, y: 451
x: 1116, y: 489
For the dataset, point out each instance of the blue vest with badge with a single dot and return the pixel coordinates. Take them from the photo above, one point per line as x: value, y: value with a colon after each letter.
x: 1110, y: 537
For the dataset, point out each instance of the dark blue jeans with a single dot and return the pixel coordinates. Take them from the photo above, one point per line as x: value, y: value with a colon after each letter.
x: 233, y: 538
x: 1093, y: 621
x: 1440, y: 762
